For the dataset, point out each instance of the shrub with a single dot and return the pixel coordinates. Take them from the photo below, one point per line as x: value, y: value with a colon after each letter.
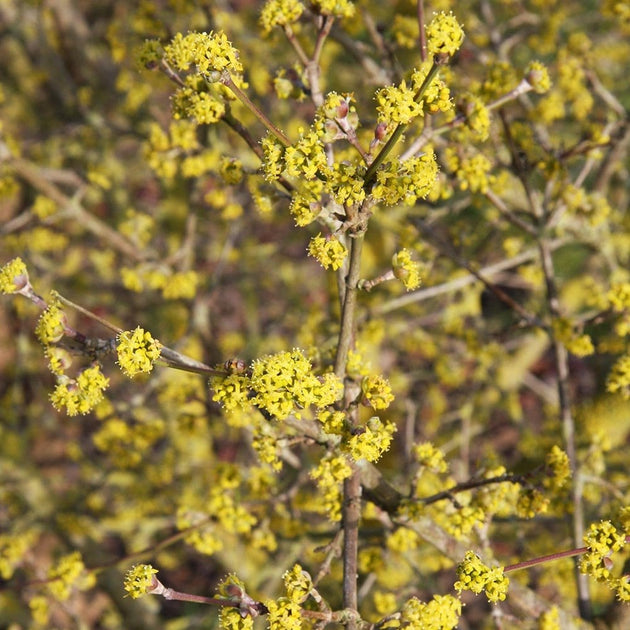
x: 332, y: 311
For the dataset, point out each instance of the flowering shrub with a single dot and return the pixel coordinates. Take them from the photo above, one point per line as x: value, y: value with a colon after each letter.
x: 384, y: 249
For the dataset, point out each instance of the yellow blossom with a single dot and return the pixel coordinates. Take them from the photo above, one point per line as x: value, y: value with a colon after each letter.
x: 558, y: 463
x: 406, y: 269
x: 371, y: 441
x: 280, y: 13
x: 441, y: 613
x: 140, y: 580
x: 329, y: 251
x: 207, y: 52
x: 51, y: 325
x: 537, y: 76
x: 298, y: 583
x: 397, y: 104
x: 284, y: 614
x: 473, y: 575
x: 13, y: 276
x: 137, y: 351
x: 377, y: 391
x: 68, y: 573
x: 444, y: 34
x: 430, y: 456
x: 338, y: 8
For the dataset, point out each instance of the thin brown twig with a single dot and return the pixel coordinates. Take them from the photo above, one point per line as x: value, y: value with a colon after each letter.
x: 422, y: 38
x: 226, y: 79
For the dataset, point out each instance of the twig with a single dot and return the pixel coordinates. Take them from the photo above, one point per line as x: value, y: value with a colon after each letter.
x: 227, y: 80
x: 448, y: 250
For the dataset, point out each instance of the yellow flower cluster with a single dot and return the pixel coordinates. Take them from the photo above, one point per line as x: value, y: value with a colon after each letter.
x: 273, y: 157
x: 560, y: 471
x: 405, y: 30
x: 298, y: 583
x: 207, y: 52
x: 437, y: 96
x: 538, y: 77
x: 284, y: 383
x: 337, y: 8
x: 82, y: 394
x: 40, y: 610
x: 530, y: 503
x: 69, y: 573
x: 371, y: 441
x: 284, y: 614
x: 475, y: 576
x: 377, y: 392
x: 280, y: 13
x: 403, y: 540
x: 549, y: 620
x: 618, y: 296
x: 281, y: 384
x: 500, y: 79
x: 444, y: 34
x: 329, y: 474
x: 13, y: 547
x: 333, y: 422
x: 203, y: 103
x: 13, y: 276
x: 140, y: 580
x: 461, y: 520
x: 441, y: 613
x: 337, y: 106
x: 137, y: 351
x: 406, y: 181
x: 51, y: 325
x: 306, y: 203
x: 430, y: 457
x: 619, y: 378
x: 137, y: 226
x: 397, y: 105
x: 346, y: 183
x: 592, y: 207
x: 232, y: 392
x: 307, y: 157
x: 406, y: 269
x: 477, y: 117
x: 224, y: 507
x: 602, y: 539
x: 577, y: 343
x: 329, y: 251
x: 44, y: 207
x: 472, y: 172
x: 201, y: 533
x: 573, y: 84
x: 37, y: 239
x: 232, y: 619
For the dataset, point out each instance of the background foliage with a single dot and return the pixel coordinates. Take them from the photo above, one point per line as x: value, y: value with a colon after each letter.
x: 504, y: 352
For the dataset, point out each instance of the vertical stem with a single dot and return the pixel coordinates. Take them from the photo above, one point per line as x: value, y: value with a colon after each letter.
x: 351, y: 514
x: 351, y: 509
x: 348, y: 310
x: 423, y: 35
x: 561, y: 358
